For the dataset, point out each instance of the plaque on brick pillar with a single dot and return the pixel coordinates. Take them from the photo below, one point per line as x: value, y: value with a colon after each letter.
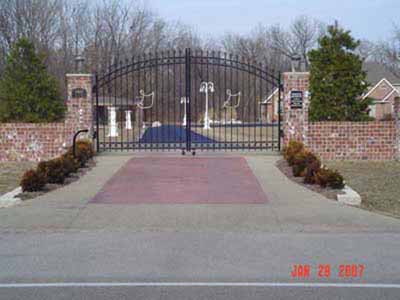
x: 296, y: 99
x: 79, y: 93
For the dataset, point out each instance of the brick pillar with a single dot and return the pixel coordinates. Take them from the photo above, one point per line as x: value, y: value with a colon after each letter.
x: 79, y: 105
x: 396, y: 112
x: 295, y: 120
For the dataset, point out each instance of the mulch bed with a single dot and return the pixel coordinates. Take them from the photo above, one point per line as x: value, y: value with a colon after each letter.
x: 51, y: 186
x: 329, y: 193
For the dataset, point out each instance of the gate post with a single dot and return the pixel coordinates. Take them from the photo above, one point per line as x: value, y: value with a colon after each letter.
x: 295, y: 115
x: 188, y: 92
x: 396, y: 112
x: 79, y: 105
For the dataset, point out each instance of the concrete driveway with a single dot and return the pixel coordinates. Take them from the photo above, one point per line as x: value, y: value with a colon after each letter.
x: 290, y: 208
x: 62, y: 246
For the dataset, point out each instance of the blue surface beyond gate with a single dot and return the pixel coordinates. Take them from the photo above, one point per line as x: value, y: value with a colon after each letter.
x: 172, y: 134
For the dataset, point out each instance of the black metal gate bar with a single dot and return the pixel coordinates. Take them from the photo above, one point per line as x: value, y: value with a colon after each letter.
x: 188, y: 98
x: 162, y: 90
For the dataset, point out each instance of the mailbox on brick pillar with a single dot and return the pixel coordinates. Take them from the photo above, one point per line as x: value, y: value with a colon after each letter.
x: 79, y: 105
x: 295, y: 106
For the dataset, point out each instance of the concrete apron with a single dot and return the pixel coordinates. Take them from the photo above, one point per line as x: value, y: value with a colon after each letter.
x: 290, y: 208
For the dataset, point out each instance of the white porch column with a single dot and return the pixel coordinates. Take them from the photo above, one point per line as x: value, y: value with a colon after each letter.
x: 128, y: 122
x: 112, y: 122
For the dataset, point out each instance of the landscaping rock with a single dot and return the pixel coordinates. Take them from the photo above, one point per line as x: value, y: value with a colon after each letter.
x: 349, y: 197
x: 9, y: 199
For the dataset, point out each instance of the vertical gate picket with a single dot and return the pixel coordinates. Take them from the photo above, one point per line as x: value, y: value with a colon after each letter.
x: 151, y: 74
x: 96, y: 111
x: 280, y: 89
x: 188, y: 96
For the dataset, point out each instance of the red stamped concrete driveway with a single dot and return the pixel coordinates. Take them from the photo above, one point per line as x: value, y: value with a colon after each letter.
x: 180, y: 180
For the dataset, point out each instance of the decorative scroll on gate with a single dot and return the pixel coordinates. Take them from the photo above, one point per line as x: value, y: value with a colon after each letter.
x: 203, y: 100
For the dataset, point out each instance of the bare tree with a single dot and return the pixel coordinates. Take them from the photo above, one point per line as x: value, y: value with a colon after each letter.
x: 388, y: 52
x: 302, y: 36
x: 35, y: 19
x: 367, y: 50
x: 110, y: 31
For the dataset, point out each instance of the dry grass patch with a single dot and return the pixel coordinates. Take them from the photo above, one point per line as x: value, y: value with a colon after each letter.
x: 11, y: 173
x: 378, y: 183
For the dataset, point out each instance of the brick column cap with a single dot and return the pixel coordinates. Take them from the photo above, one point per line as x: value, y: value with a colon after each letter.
x: 297, y: 73
x: 79, y: 75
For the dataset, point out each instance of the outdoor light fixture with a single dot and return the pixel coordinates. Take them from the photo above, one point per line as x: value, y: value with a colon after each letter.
x: 206, y: 87
x: 79, y: 63
x: 295, y: 59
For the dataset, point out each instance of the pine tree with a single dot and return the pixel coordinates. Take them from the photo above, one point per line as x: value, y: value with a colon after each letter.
x: 337, y: 79
x: 27, y: 92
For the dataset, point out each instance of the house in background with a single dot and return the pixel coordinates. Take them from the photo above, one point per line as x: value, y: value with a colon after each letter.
x: 385, y: 87
x: 120, y: 104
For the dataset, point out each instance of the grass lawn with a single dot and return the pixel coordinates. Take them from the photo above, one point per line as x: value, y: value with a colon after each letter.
x: 378, y: 183
x: 241, y: 134
x: 124, y: 135
x: 10, y: 174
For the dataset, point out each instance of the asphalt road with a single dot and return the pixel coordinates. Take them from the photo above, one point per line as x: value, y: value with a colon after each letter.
x: 164, y: 260
x: 64, y: 247
x: 197, y: 293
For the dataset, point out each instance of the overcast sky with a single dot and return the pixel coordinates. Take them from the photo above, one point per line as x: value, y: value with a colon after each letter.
x: 372, y: 19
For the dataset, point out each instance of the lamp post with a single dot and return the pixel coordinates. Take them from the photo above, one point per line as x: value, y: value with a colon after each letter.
x: 206, y: 87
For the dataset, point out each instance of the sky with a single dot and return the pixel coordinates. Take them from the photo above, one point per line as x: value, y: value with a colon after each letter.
x: 369, y: 19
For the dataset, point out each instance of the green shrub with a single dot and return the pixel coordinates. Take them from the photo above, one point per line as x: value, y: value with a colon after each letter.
x: 53, y: 170
x: 70, y: 165
x: 336, y: 180
x: 291, y: 150
x: 301, y: 161
x: 32, y: 181
x: 27, y: 92
x: 42, y: 167
x: 84, y: 152
x: 326, y: 177
x: 311, y: 171
x: 337, y: 79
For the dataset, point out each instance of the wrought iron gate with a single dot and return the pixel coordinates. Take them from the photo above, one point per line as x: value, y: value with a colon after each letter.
x: 201, y: 100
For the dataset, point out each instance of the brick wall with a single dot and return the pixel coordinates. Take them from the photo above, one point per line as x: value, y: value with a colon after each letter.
x: 353, y: 140
x: 377, y: 140
x: 36, y: 142
x: 31, y: 142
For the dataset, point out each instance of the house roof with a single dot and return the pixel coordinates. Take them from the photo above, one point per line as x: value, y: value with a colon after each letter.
x: 395, y: 89
x: 266, y: 101
x: 390, y: 94
x: 376, y: 71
